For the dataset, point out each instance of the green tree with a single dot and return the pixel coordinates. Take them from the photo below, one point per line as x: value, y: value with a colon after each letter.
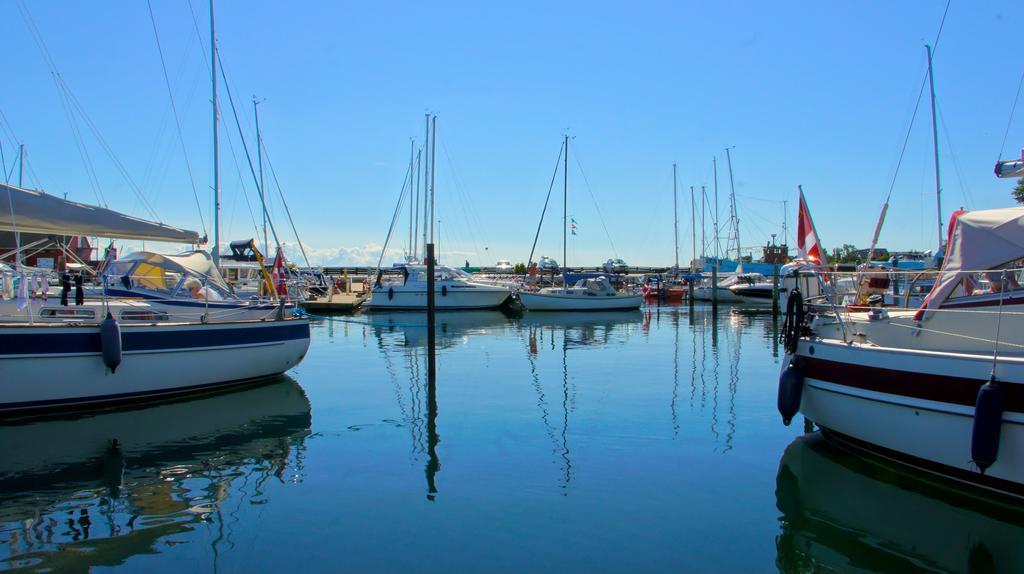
x: 1018, y: 192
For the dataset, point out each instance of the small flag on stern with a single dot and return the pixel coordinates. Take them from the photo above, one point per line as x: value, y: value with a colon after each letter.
x: 808, y: 247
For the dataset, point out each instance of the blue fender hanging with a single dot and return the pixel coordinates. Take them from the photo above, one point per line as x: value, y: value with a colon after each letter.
x: 444, y: 290
x: 391, y: 293
x: 791, y: 387
x: 988, y: 421
x: 110, y: 342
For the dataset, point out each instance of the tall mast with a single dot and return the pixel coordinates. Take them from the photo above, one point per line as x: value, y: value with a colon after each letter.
x: 565, y: 210
x: 703, y: 218
x: 693, y: 226
x: 21, y: 166
x: 433, y: 163
x: 675, y: 214
x: 259, y: 155
x: 718, y: 244
x: 935, y: 144
x: 216, y: 148
x: 732, y: 206
x: 412, y: 204
x: 426, y: 181
x: 415, y: 206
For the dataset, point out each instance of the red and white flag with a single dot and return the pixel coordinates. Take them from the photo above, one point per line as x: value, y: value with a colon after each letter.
x: 808, y: 247
x: 277, y: 274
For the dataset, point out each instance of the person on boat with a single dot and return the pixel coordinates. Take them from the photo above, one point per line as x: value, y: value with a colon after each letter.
x: 1001, y: 281
x: 200, y: 291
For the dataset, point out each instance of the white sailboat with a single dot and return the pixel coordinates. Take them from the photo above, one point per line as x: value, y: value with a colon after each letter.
x: 78, y: 360
x: 589, y: 294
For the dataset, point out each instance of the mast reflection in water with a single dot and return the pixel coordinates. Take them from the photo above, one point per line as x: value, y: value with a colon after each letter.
x: 92, y: 490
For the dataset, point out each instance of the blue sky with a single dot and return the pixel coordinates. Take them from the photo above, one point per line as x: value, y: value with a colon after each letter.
x: 811, y: 93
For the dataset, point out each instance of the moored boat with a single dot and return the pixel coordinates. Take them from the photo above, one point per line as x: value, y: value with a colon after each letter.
x: 592, y: 294
x: 940, y: 388
x: 405, y: 287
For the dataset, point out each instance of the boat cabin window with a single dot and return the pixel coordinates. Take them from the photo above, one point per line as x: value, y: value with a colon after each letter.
x: 1003, y: 279
x: 67, y: 313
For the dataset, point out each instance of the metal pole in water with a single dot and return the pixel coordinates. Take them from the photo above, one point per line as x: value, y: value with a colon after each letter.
x: 775, y: 289
x: 431, y: 312
x: 433, y: 463
x: 714, y: 286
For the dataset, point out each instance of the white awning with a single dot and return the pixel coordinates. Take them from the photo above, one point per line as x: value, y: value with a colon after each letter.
x: 978, y: 240
x: 38, y: 212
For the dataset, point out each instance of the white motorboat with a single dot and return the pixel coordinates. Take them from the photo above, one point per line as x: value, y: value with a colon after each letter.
x: 404, y: 286
x: 940, y: 388
x: 705, y: 290
x: 590, y: 294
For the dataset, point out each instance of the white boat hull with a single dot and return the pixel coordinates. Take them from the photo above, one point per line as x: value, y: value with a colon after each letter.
x: 915, y: 407
x: 455, y: 297
x: 578, y: 302
x: 44, y: 367
x: 724, y: 295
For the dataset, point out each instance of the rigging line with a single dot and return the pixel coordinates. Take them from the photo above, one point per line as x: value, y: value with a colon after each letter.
x: 83, y: 152
x: 594, y: 199
x: 558, y: 162
x: 241, y: 182
x: 174, y: 110
x: 109, y: 150
x: 394, y: 219
x: 75, y: 105
x: 472, y: 212
x: 1009, y: 122
x: 953, y: 156
x: 245, y: 147
x: 913, y: 117
x: 463, y: 199
x: 287, y: 210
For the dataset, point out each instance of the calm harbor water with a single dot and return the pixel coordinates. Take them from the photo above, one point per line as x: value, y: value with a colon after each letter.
x: 639, y: 441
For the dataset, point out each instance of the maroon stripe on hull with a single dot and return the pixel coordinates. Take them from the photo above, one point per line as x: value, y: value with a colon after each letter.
x: 986, y: 481
x: 942, y: 388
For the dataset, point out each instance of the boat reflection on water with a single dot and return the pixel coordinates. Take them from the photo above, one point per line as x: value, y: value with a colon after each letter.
x: 405, y: 329
x: 843, y: 513
x: 112, y: 484
x: 583, y: 329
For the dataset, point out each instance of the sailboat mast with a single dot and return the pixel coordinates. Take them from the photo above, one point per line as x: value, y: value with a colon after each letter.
x: 259, y: 156
x: 426, y: 181
x: 216, y: 148
x: 565, y: 210
x: 433, y: 163
x: 675, y: 214
x: 718, y: 244
x: 693, y: 226
x: 412, y: 204
x: 732, y: 207
x: 935, y: 145
x: 703, y: 218
x: 415, y: 206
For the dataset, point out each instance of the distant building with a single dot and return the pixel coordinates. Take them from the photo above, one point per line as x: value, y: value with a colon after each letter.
x: 880, y: 253
x: 775, y: 254
x: 45, y: 251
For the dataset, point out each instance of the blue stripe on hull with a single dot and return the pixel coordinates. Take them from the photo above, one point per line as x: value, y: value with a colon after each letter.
x: 160, y: 339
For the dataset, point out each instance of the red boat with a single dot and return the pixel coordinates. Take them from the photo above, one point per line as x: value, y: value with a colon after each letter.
x: 655, y: 289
